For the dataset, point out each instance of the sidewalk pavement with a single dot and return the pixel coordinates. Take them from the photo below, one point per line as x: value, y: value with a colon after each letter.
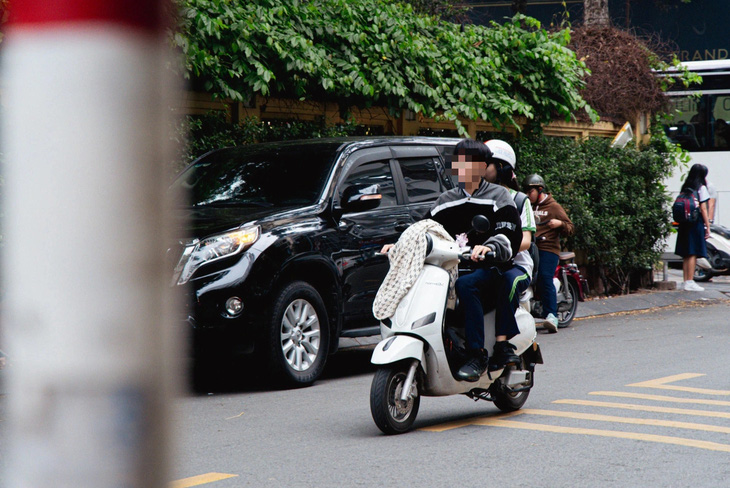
x: 646, y: 300
x: 717, y: 289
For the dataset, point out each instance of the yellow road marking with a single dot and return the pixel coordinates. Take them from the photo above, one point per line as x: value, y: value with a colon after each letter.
x: 661, y: 398
x: 647, y: 408
x: 661, y: 384
x: 628, y: 420
x: 200, y: 480
x: 463, y: 423
x: 680, y: 441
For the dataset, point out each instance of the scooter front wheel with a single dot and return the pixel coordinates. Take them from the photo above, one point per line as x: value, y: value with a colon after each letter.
x: 391, y: 414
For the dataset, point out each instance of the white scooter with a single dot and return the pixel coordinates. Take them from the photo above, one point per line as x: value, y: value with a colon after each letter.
x: 718, y: 255
x: 422, y: 348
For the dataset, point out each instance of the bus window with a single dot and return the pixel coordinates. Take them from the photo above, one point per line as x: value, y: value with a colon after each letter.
x: 700, y: 123
x: 720, y: 117
x: 681, y: 129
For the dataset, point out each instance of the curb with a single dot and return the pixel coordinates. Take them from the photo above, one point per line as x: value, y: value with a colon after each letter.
x: 645, y: 301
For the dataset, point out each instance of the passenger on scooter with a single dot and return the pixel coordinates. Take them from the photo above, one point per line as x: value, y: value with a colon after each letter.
x: 552, y: 223
x: 517, y: 278
x: 454, y: 210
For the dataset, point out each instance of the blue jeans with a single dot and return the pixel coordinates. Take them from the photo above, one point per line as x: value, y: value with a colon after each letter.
x: 498, y: 290
x: 544, y: 283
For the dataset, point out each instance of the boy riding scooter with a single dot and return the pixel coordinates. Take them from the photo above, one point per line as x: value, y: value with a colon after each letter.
x: 454, y: 210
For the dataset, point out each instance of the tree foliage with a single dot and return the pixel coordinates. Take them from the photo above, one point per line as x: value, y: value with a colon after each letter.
x: 377, y: 52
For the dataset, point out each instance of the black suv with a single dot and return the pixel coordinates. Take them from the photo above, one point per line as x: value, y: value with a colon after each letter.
x: 281, y: 259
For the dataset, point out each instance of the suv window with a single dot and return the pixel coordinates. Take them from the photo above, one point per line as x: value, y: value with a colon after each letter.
x: 422, y: 179
x: 374, y: 172
x: 259, y: 175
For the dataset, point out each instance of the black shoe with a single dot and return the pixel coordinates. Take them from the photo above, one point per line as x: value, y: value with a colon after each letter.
x: 504, y: 355
x: 474, y: 367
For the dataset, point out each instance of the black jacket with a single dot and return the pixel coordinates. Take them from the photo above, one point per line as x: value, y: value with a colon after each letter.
x: 455, y: 209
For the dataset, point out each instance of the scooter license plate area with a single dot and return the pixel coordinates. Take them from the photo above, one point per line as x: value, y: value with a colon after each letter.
x: 516, y: 378
x: 533, y: 354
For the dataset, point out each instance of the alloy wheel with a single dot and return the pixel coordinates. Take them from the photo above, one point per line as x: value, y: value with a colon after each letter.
x: 300, y: 335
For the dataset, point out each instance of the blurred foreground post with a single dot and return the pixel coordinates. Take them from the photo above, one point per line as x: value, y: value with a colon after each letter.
x: 85, y: 232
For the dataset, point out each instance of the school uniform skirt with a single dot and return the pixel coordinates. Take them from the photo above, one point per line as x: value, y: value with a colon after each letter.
x: 691, y: 240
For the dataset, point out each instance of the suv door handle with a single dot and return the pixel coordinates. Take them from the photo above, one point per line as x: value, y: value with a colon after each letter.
x: 401, y: 226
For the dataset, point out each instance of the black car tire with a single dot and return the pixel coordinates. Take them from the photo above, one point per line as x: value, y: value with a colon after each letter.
x: 298, y: 335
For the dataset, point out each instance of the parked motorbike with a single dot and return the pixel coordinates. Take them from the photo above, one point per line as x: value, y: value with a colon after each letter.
x: 718, y: 255
x: 570, y: 287
x: 422, y: 348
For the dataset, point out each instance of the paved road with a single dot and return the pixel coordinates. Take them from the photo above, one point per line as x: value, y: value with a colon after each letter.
x: 623, y: 400
x: 638, y: 399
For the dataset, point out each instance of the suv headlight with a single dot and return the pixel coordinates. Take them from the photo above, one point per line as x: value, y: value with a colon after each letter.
x: 213, y: 248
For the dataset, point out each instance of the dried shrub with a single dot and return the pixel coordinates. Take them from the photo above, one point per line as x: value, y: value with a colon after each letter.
x: 622, y: 84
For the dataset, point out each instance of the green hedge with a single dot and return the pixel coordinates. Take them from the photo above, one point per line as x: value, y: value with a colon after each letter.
x: 615, y: 198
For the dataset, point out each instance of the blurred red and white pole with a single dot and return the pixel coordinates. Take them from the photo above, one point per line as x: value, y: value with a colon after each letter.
x: 85, y: 312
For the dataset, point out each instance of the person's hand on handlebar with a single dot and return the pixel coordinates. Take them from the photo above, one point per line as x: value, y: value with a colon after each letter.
x: 478, y: 253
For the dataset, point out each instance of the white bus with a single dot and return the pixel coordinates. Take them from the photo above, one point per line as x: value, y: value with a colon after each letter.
x: 702, y: 126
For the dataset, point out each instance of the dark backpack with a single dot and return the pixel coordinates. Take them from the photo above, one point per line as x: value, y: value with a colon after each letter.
x: 685, y: 209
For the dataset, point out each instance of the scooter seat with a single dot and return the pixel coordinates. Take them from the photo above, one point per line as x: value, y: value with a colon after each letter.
x: 566, y: 256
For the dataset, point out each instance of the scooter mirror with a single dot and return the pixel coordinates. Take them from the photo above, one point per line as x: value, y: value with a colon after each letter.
x: 480, y: 223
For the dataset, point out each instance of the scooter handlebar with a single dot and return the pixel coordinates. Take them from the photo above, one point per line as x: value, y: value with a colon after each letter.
x: 466, y: 256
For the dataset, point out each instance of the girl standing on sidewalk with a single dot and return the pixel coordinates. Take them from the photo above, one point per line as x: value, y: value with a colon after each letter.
x: 691, y: 235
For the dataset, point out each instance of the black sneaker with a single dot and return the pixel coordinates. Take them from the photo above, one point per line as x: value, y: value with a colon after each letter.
x: 474, y: 367
x: 504, y: 355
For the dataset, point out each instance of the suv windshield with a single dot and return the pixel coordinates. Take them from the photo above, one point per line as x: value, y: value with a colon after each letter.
x: 259, y: 175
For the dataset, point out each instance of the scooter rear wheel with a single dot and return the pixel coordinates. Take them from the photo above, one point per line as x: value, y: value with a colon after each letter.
x: 702, y: 274
x: 565, y: 317
x: 508, y: 401
x: 390, y: 413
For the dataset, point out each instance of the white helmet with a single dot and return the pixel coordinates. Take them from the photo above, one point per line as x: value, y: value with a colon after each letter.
x: 502, y: 150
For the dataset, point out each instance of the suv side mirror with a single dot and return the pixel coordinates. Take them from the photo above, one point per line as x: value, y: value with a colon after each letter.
x: 358, y: 198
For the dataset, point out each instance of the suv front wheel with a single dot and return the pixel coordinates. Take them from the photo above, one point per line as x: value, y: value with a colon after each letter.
x: 298, y: 335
